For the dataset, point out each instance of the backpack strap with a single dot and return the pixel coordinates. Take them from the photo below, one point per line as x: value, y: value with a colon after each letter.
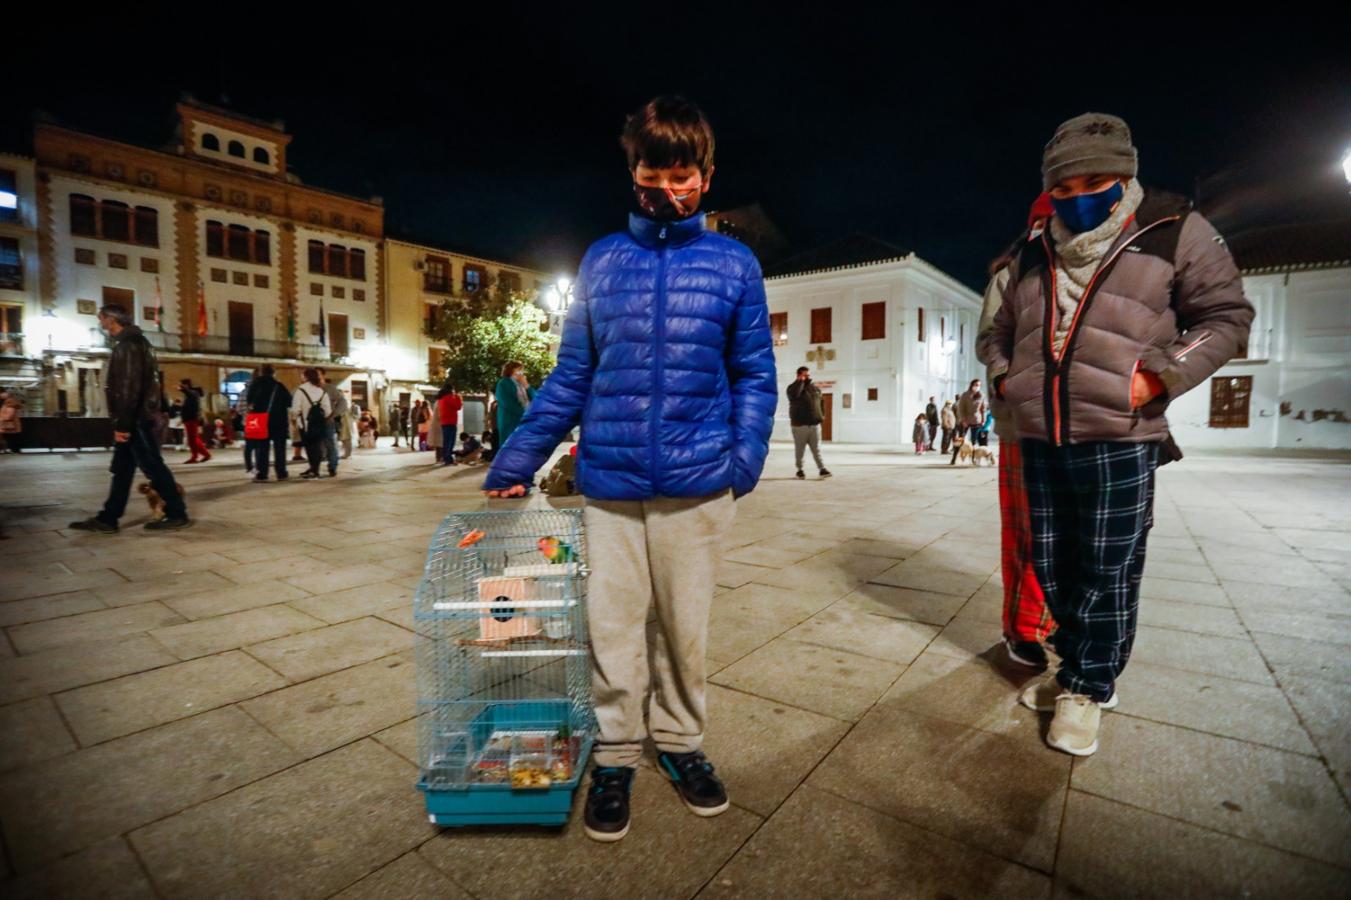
x: 1160, y: 242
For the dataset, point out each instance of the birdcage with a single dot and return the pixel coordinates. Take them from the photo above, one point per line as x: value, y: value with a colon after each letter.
x: 504, y: 672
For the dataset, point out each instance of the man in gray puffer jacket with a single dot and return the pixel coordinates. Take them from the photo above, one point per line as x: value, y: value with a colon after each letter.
x: 1116, y: 305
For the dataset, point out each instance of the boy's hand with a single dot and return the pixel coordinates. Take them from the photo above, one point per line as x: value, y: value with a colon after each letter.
x: 516, y: 490
x: 1145, y: 386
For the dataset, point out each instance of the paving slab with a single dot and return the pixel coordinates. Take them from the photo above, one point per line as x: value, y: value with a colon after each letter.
x: 221, y: 602
x: 37, y: 609
x: 234, y: 630
x: 312, y: 830
x: 354, y: 603
x: 1322, y: 707
x: 322, y: 578
x: 669, y: 853
x: 100, y: 712
x: 941, y: 776
x: 327, y: 712
x: 1274, y: 797
x: 1291, y: 657
x: 903, y: 603
x: 1185, y: 861
x: 96, y: 626
x: 819, y: 845
x: 72, y: 666
x: 407, y: 878
x: 880, y: 637
x: 322, y: 650
x: 108, y: 871
x: 113, y: 789
x: 1204, y: 653
x: 820, y: 679
x: 31, y: 731
x: 1154, y: 588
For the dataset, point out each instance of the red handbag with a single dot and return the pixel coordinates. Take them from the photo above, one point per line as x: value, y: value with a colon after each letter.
x: 255, y: 423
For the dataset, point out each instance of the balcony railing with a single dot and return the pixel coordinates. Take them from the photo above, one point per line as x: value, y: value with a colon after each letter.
x: 237, y: 345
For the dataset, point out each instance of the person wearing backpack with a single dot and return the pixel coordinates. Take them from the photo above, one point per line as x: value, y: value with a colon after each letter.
x: 270, y: 397
x: 311, y: 410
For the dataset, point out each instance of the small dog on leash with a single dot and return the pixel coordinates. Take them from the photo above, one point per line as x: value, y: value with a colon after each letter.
x: 155, y: 501
x: 982, y: 453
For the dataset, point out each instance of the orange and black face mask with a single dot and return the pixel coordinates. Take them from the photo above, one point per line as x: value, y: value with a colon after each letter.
x: 667, y: 205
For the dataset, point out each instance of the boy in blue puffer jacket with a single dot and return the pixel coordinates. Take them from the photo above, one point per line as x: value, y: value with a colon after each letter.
x: 667, y: 363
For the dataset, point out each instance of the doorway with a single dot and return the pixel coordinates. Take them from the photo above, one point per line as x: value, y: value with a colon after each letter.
x: 827, y: 410
x: 337, y: 334
x: 241, y: 328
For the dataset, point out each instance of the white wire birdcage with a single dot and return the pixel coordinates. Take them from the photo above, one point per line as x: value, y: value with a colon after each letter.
x: 503, y: 667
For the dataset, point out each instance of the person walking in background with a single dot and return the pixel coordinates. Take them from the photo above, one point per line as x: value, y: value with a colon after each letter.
x: 947, y: 418
x: 267, y: 395
x: 806, y: 415
x: 434, y: 435
x: 368, y: 429
x: 312, y: 412
x: 241, y: 407
x: 190, y: 413
x: 422, y: 417
x: 931, y: 416
x: 1166, y: 314
x: 11, y: 422
x: 131, y: 381
x: 513, y: 394
x: 347, y: 425
x: 920, y: 434
x: 970, y: 415
x: 448, y: 406
x: 338, y: 411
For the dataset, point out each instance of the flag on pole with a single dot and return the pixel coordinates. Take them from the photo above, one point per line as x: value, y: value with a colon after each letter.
x: 323, y: 331
x: 201, y: 309
x: 159, y: 307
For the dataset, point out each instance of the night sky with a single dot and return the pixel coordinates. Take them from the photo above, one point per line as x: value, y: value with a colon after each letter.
x: 497, y: 135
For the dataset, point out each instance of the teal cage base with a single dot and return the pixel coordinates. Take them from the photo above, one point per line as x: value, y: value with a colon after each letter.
x: 456, y: 806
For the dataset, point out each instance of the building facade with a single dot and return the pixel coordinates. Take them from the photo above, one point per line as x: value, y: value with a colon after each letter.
x: 19, y: 272
x: 1292, y: 390
x: 418, y: 279
x: 226, y: 260
x: 880, y: 337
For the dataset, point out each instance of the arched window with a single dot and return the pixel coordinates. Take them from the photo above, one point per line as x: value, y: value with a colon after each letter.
x: 116, y: 220
x: 238, y: 243
x: 83, y: 216
x: 358, y: 264
x: 262, y: 251
x: 215, y: 239
x: 317, y: 256
x: 210, y: 142
x: 235, y: 148
x: 261, y: 156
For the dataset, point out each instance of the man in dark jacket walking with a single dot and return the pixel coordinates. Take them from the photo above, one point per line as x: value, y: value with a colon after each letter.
x: 931, y: 413
x: 1117, y: 304
x: 132, y: 383
x: 267, y: 395
x: 806, y: 414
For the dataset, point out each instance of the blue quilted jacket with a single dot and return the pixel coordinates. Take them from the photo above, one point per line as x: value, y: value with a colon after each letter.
x: 667, y: 364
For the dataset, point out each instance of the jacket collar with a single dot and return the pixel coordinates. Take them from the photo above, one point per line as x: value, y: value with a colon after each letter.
x: 651, y: 233
x: 128, y: 331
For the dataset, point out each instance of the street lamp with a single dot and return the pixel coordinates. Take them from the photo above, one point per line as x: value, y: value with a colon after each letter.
x: 1346, y: 166
x: 558, y: 296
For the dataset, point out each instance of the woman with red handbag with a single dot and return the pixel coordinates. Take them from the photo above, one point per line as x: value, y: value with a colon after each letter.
x: 266, y: 425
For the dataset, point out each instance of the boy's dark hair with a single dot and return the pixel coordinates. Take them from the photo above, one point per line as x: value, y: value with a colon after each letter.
x: 801, y: 369
x: 464, y: 435
x: 668, y: 131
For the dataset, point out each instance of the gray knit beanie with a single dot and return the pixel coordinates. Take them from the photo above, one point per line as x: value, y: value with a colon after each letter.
x: 1091, y: 144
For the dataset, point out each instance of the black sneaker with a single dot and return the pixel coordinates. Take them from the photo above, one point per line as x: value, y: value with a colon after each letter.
x: 825, y: 473
x: 167, y: 524
x: 260, y: 478
x: 607, y: 803
x: 94, y: 524
x: 800, y: 474
x: 1026, y: 653
x: 693, y: 777
x: 308, y: 474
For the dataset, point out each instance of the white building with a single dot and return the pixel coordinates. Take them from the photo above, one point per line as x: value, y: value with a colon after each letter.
x: 881, y: 330
x: 1294, y: 388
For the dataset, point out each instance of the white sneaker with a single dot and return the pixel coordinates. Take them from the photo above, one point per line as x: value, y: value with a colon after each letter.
x: 1041, y: 695
x: 1074, y: 729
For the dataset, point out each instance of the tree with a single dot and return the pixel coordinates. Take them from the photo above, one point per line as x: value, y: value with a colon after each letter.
x: 483, y: 331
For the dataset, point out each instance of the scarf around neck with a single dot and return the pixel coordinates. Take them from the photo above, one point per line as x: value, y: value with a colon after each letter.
x: 1078, y: 257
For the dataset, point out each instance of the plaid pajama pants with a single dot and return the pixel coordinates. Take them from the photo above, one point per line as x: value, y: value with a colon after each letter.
x: 1091, y: 506
x: 1025, y: 615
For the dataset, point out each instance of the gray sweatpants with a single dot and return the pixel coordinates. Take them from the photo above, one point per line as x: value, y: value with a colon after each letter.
x: 663, y: 551
x: 807, y: 436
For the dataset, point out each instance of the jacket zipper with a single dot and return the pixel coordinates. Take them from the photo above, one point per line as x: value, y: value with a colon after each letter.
x: 659, y: 332
x: 1074, y: 323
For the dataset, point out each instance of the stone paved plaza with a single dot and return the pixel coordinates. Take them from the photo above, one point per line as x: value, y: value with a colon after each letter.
x: 228, y: 711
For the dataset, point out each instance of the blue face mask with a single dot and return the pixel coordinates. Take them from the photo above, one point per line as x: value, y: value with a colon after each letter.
x: 1087, y: 211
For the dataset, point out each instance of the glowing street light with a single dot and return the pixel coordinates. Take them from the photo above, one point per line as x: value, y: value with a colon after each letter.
x: 1346, y: 166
